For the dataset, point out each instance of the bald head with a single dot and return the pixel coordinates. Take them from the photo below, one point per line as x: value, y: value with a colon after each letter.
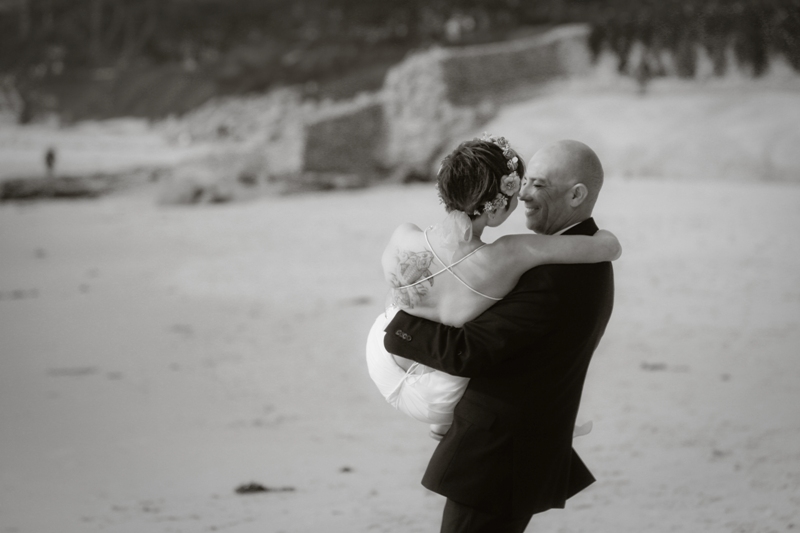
x: 563, y: 182
x: 576, y: 163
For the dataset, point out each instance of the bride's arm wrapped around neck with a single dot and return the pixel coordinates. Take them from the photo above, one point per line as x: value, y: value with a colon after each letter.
x: 518, y: 253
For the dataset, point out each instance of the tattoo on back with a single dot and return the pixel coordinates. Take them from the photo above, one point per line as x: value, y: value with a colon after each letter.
x: 411, y: 267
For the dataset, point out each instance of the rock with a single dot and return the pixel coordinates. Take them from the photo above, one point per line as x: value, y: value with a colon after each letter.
x: 61, y: 187
x: 254, y: 488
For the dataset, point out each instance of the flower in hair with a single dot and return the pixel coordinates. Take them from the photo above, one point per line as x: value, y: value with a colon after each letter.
x: 502, y: 142
x: 499, y: 202
x: 509, y: 185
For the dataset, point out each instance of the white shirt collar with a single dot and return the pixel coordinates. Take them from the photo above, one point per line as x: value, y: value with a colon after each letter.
x: 568, y: 227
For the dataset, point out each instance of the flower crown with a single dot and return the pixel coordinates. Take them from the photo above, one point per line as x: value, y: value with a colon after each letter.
x: 509, y: 184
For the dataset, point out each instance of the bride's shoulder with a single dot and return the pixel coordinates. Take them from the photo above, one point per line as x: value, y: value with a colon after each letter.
x: 408, y: 227
x: 404, y: 240
x: 405, y: 230
x: 404, y: 236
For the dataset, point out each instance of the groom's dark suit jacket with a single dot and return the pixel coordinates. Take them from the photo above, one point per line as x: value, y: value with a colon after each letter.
x: 509, y: 451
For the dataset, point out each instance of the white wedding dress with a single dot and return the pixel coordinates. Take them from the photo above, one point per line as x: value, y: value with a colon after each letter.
x: 422, y: 393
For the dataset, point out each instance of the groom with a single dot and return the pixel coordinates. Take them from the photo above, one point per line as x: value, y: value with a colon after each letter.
x: 508, y: 454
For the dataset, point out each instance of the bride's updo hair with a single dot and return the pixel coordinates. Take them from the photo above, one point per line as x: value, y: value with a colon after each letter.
x: 470, y: 176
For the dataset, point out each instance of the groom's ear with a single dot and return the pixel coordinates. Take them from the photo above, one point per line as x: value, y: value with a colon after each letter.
x: 578, y: 194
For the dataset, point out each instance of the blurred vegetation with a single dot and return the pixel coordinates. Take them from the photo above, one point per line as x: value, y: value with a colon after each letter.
x: 753, y: 31
x: 99, y: 58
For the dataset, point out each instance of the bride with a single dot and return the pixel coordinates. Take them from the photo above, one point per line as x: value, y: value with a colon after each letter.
x: 447, y: 274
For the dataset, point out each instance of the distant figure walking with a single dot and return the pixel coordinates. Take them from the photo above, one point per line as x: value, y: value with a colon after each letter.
x: 50, y: 162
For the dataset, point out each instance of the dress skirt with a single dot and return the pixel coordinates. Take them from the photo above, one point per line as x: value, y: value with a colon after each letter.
x: 422, y: 393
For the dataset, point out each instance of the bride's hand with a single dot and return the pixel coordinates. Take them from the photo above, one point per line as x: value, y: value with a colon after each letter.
x: 610, y: 242
x: 582, y: 430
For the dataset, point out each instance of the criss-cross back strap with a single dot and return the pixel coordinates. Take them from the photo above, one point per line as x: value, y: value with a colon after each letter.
x: 448, y: 268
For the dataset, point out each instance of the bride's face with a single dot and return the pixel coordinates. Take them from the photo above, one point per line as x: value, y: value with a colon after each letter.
x: 501, y: 217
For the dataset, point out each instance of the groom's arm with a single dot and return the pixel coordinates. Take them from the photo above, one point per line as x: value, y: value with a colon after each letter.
x: 511, y: 327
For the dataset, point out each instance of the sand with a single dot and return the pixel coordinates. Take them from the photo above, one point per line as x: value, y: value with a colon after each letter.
x: 153, y: 359
x: 90, y: 147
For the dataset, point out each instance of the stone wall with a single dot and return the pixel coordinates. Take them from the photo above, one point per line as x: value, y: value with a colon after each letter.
x: 420, y: 117
x: 473, y: 74
x: 348, y: 138
x: 428, y: 103
x: 436, y: 97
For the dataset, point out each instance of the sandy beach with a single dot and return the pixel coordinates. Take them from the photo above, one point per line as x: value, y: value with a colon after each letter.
x: 155, y: 358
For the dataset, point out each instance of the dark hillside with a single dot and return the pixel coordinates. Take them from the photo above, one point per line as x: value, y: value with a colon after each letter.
x: 101, y: 58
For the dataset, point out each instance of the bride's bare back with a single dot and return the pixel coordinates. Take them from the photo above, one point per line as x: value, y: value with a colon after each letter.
x: 421, y: 286
x: 407, y: 261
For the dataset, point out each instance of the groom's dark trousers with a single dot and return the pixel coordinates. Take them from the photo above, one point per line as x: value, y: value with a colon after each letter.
x: 459, y: 518
x: 509, y: 451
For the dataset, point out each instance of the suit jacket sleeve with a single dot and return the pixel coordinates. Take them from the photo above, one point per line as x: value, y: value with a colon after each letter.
x: 514, y: 325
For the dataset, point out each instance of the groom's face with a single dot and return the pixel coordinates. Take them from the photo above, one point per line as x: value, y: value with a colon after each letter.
x: 545, y: 191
